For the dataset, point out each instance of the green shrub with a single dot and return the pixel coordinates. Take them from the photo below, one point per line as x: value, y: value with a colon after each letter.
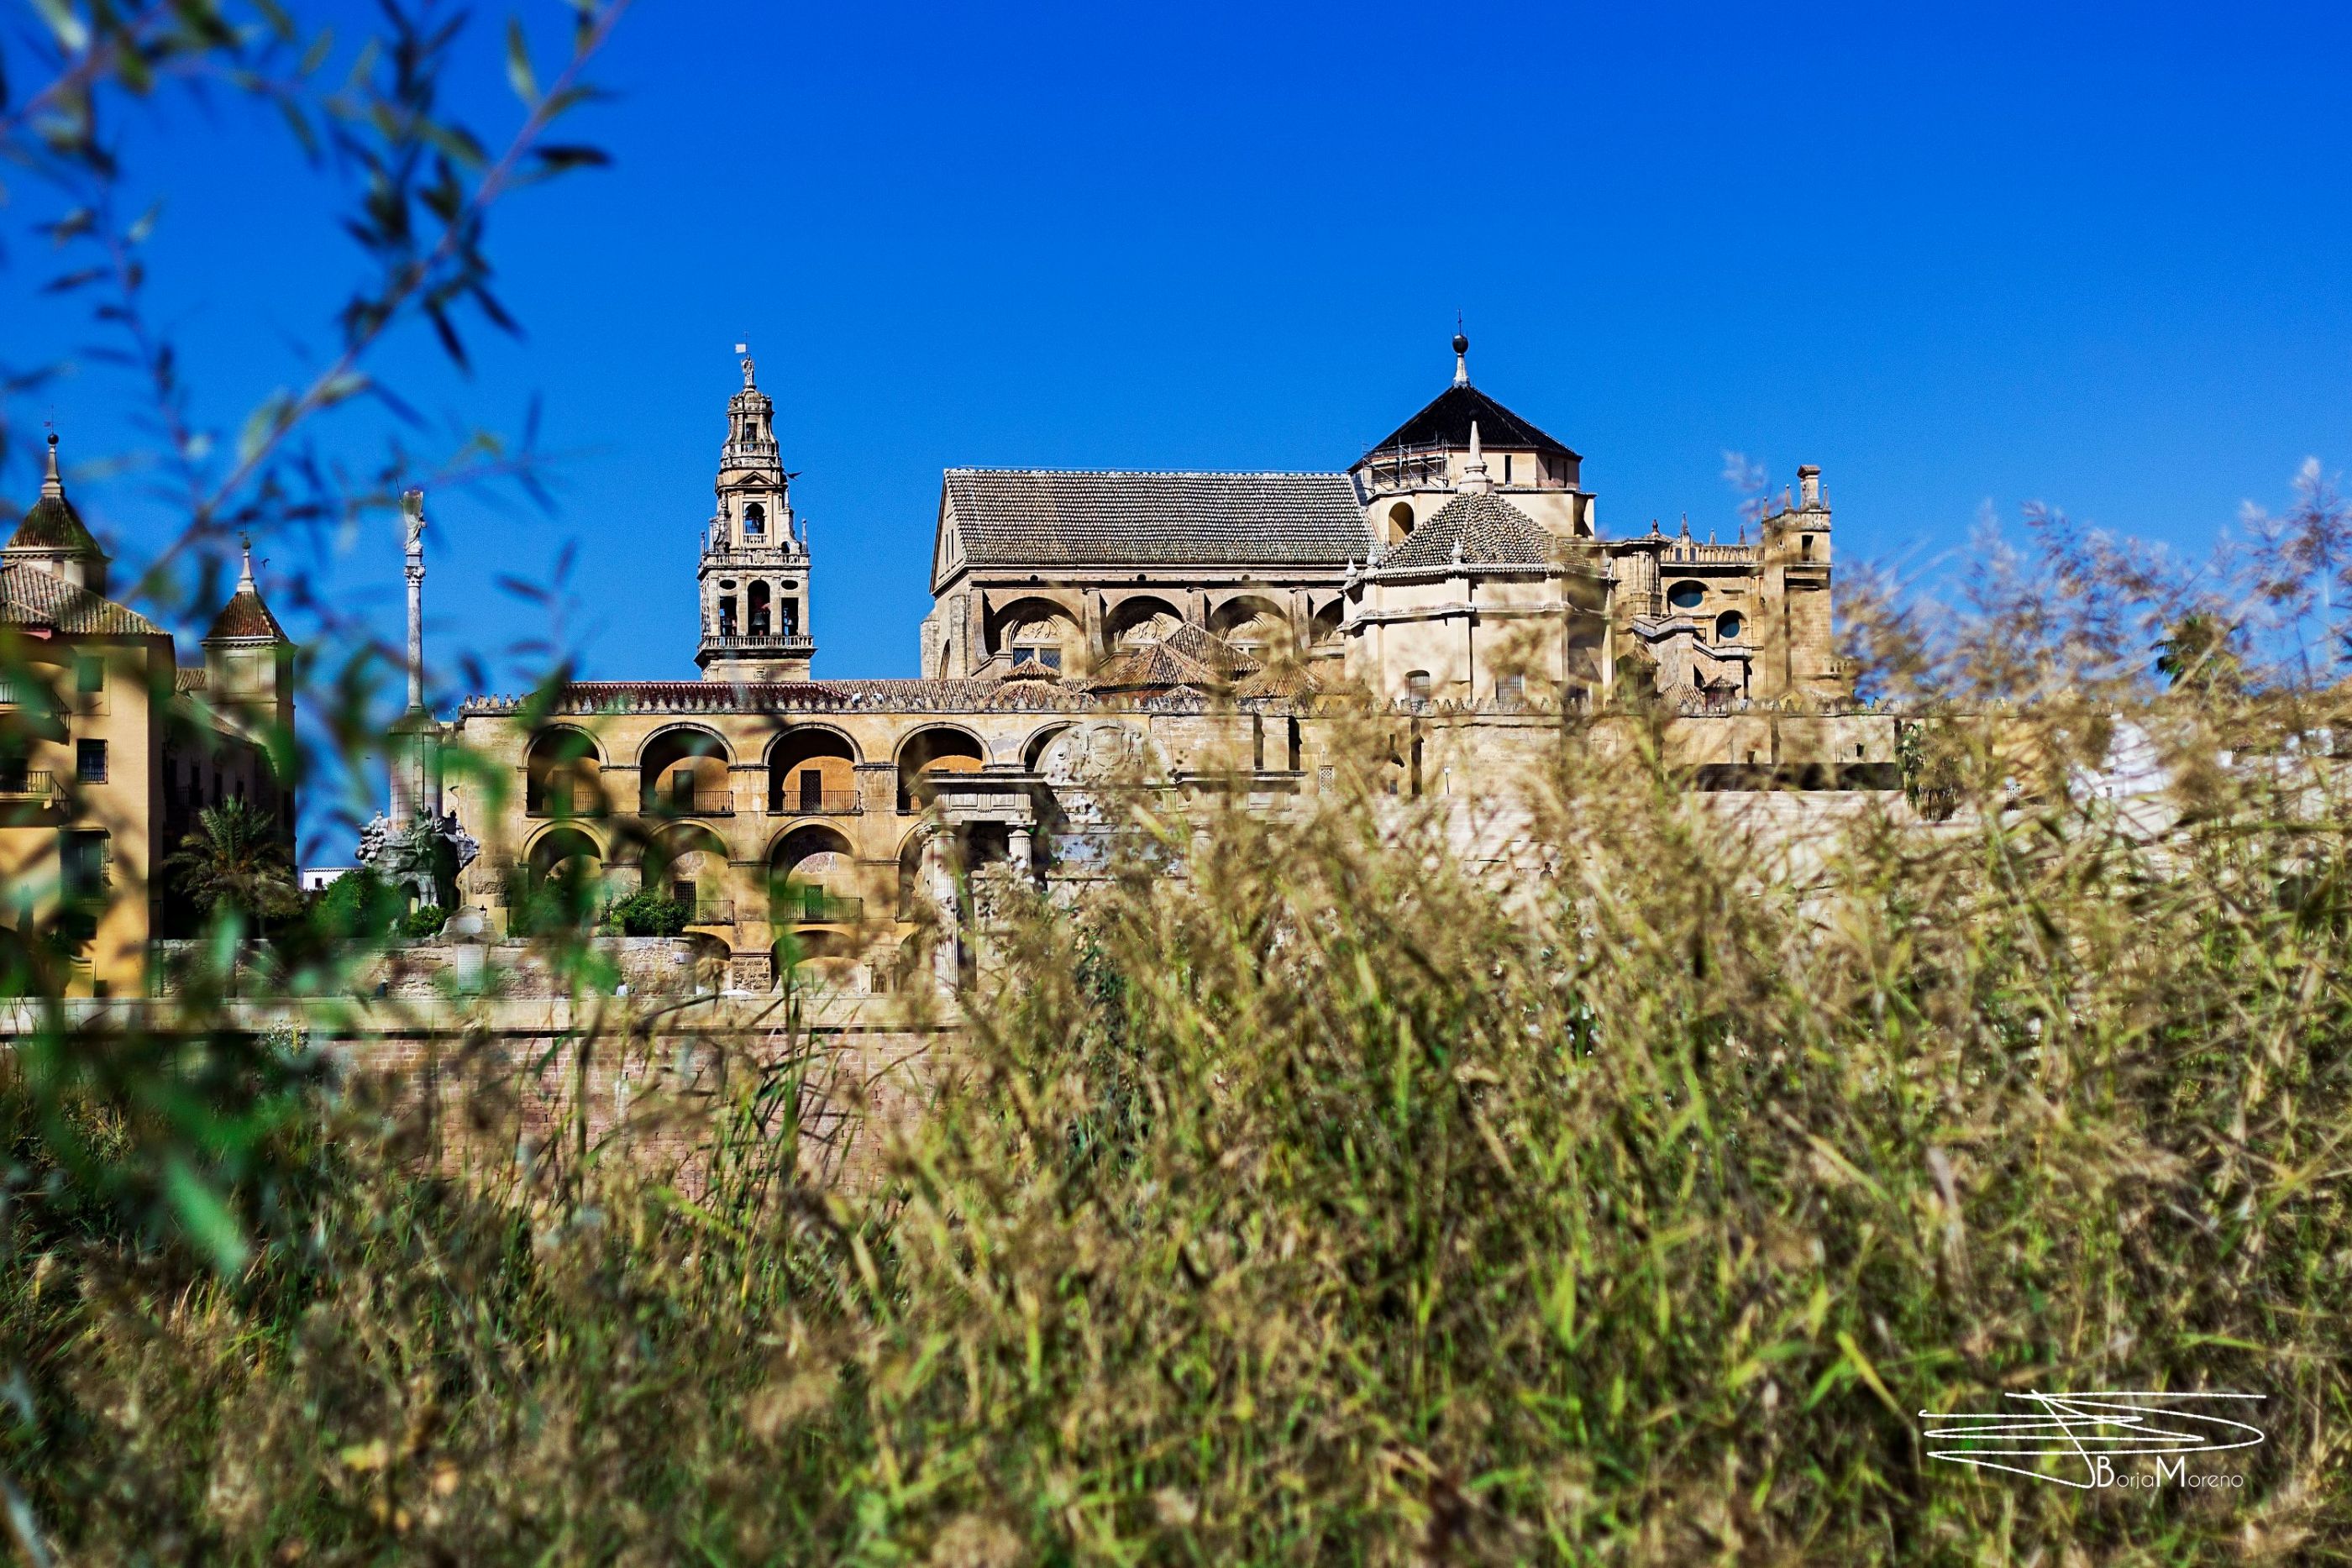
x: 424, y: 920
x: 358, y: 905
x: 645, y: 912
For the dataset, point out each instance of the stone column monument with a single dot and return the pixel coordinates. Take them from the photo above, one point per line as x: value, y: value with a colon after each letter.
x: 414, y: 845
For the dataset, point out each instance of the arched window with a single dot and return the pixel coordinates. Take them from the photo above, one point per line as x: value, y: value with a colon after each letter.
x: 1687, y: 595
x: 1728, y: 626
x: 759, y: 600
x: 1416, y: 686
x: 755, y: 518
x: 1401, y: 519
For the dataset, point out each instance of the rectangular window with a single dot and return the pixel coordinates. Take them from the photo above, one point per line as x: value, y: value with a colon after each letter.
x: 812, y: 790
x: 1510, y: 691
x: 90, y: 761
x: 1049, y: 657
x: 682, y: 893
x: 1506, y: 467
x: 82, y: 869
x: 89, y: 673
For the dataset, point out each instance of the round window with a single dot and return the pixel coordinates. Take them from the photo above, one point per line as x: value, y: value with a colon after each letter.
x: 1687, y: 595
x: 1728, y: 626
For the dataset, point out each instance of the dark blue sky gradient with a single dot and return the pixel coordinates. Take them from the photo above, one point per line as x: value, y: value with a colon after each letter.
x: 2095, y: 256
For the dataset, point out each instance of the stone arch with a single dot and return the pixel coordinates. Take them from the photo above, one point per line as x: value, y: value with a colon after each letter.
x: 1324, y: 629
x: 760, y: 613
x: 813, y: 876
x: 1400, y: 522
x: 1033, y: 751
x: 1141, y: 618
x: 937, y: 748
x: 1254, y: 623
x: 682, y: 770
x: 562, y: 876
x: 563, y: 773
x: 1036, y: 625
x: 755, y: 518
x: 549, y: 852
x: 811, y: 768
x: 689, y: 856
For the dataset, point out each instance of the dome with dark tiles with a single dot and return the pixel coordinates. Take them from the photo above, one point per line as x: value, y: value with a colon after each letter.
x: 1473, y: 530
x: 52, y: 524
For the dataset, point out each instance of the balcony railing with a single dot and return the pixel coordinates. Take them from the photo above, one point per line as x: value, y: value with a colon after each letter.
x: 713, y: 912
x: 19, y: 691
x: 815, y: 906
x: 27, y: 784
x: 763, y: 643
x: 815, y: 803
x: 689, y: 803
x: 557, y: 800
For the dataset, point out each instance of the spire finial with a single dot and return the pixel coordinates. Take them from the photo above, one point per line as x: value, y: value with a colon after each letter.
x: 52, y: 487
x: 1461, y: 353
x: 245, y: 583
x: 1473, y: 473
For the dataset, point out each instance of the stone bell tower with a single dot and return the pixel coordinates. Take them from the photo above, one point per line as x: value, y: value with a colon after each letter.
x: 754, y: 577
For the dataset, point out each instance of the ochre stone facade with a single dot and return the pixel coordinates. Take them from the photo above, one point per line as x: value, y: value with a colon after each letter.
x: 110, y: 748
x: 1204, y: 635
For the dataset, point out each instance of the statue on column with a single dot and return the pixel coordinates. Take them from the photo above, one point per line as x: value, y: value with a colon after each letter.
x: 414, y: 845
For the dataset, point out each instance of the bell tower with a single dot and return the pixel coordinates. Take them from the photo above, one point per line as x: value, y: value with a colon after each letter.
x: 754, y: 577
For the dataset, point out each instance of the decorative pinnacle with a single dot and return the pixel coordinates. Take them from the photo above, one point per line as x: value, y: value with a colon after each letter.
x: 52, y: 487
x: 245, y: 583
x: 1461, y: 353
x: 1473, y: 473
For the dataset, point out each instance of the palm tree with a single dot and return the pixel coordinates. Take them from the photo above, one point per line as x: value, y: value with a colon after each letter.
x: 2200, y: 651
x: 235, y: 856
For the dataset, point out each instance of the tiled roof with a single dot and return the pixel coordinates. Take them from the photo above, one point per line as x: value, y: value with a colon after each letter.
x: 190, y: 678
x: 31, y: 597
x: 1197, y: 642
x: 1154, y: 666
x: 1022, y: 516
x: 53, y: 524
x: 1489, y: 531
x: 246, y: 616
x: 1286, y: 680
x: 1447, y: 423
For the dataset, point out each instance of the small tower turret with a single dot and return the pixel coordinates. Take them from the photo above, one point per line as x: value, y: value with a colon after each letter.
x: 755, y: 574
x: 249, y: 665
x: 51, y: 537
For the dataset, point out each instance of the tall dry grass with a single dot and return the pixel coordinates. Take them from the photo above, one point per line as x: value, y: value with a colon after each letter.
x: 1332, y: 1202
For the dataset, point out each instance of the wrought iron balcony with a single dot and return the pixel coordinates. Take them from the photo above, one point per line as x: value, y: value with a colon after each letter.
x: 675, y: 802
x: 815, y: 906
x: 815, y: 803
x: 713, y: 912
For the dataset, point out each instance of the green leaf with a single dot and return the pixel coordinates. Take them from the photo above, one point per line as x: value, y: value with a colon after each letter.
x: 519, y: 73
x: 209, y: 1224
x: 72, y: 33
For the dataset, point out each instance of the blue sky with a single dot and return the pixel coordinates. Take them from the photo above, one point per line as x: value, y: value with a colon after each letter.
x: 1955, y: 255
